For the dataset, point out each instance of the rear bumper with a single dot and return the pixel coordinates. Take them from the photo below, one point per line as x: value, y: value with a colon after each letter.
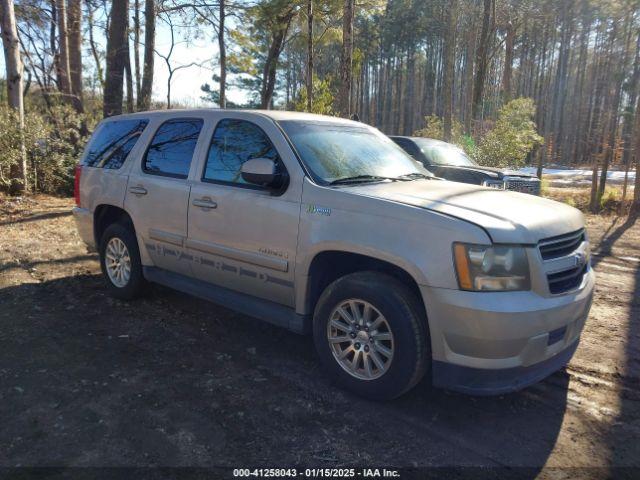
x: 492, y: 343
x: 84, y: 222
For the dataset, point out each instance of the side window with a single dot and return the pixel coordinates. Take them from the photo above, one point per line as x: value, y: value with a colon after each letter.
x: 112, y: 143
x: 233, y: 143
x: 414, y: 151
x: 120, y: 154
x: 408, y: 146
x: 171, y: 149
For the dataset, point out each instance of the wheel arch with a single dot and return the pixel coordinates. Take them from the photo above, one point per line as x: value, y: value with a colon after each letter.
x: 106, y: 214
x: 328, y: 265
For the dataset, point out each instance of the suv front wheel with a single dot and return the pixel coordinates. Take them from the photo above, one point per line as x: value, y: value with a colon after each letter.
x: 120, y: 262
x: 371, y: 335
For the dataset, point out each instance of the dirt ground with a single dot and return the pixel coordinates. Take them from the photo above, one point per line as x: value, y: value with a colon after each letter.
x: 168, y: 380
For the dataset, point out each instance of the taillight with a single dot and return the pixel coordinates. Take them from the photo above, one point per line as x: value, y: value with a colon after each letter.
x: 76, y: 184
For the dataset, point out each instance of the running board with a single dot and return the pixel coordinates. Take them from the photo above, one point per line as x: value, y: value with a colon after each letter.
x: 240, y: 302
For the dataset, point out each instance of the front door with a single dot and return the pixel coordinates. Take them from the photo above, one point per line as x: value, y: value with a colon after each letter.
x: 241, y: 236
x: 158, y: 190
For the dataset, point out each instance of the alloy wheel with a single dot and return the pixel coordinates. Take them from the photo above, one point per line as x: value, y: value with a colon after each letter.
x: 118, y: 262
x: 360, y: 339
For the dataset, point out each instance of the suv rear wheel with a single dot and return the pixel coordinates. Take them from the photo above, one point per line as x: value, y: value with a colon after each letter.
x: 371, y: 335
x: 120, y: 262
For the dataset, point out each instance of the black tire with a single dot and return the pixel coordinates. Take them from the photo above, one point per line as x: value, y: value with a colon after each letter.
x: 406, y: 318
x: 136, y: 285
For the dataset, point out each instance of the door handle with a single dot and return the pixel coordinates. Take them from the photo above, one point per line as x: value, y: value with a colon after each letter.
x: 138, y: 190
x: 205, y: 203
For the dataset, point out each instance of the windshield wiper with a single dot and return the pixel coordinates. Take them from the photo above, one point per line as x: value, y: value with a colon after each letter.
x: 364, y: 179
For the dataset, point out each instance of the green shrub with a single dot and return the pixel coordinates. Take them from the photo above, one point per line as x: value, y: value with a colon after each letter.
x: 434, y: 128
x: 610, y: 199
x: 512, y: 138
x: 62, y: 150
x: 544, y: 187
x: 35, y: 130
x: 322, y: 102
x: 508, y: 143
x: 53, y: 142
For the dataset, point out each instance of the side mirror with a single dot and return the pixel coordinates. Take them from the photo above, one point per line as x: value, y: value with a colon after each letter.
x: 260, y: 171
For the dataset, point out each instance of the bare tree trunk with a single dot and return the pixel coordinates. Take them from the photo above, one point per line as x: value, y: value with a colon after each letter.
x: 269, y: 71
x: 14, y: 67
x: 116, y: 58
x: 409, y: 103
x: 601, y: 100
x: 635, y: 206
x: 129, y: 80
x: 223, y: 57
x: 613, y: 126
x: 74, y: 30
x: 468, y: 81
x: 136, y: 45
x: 482, y: 58
x: 558, y: 102
x: 309, y: 55
x: 63, y: 39
x: 583, y: 106
x: 94, y: 47
x: 271, y: 62
x: 169, y: 78
x: 144, y: 100
x: 346, y: 59
x: 508, y: 62
x: 449, y: 66
x: 53, y: 46
x: 627, y: 129
x: 625, y: 185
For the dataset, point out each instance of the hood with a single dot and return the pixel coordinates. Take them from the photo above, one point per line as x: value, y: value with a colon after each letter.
x: 517, y: 173
x: 508, y: 217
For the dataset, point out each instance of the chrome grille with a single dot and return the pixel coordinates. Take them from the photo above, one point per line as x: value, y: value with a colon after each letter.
x: 516, y: 184
x: 567, y: 280
x: 562, y: 245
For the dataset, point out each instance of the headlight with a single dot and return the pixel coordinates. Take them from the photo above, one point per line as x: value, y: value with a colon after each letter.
x: 493, y: 268
x: 493, y: 184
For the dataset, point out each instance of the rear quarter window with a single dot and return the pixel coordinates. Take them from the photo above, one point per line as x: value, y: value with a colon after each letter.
x: 112, y: 142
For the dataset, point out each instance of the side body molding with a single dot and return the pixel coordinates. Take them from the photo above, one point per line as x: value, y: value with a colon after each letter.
x: 166, y: 237
x: 252, y: 258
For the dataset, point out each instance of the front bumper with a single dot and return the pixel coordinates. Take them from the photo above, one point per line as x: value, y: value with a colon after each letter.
x: 479, y: 381
x: 492, y: 343
x: 84, y: 222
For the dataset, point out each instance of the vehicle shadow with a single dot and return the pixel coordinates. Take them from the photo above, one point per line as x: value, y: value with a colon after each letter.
x: 169, y: 380
x: 35, y: 217
x: 622, y: 439
x: 609, y: 238
x: 518, y: 430
x: 56, y: 261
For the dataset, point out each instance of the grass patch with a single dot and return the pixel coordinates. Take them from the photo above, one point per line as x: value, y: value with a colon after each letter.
x: 579, y: 197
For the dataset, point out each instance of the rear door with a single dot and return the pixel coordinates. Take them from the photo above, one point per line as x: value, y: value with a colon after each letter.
x: 241, y: 236
x: 158, y: 192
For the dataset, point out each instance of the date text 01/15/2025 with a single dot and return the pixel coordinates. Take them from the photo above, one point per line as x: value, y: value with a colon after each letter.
x: 317, y: 472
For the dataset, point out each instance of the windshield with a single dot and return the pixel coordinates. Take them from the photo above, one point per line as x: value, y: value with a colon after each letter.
x: 334, y: 151
x: 443, y: 154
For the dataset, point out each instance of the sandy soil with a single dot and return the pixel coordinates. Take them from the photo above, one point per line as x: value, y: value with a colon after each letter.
x: 168, y: 380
